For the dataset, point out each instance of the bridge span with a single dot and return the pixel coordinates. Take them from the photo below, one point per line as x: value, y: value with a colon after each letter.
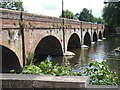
x: 22, y: 33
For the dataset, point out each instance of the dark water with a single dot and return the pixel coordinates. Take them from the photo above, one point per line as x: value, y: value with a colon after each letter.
x: 103, y: 50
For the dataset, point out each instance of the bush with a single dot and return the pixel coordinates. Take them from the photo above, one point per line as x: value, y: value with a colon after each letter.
x: 99, y: 72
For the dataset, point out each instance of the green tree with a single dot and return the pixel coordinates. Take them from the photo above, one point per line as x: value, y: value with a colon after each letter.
x: 111, y: 14
x: 13, y: 5
x: 98, y: 20
x: 68, y: 14
x: 76, y: 16
x: 85, y: 15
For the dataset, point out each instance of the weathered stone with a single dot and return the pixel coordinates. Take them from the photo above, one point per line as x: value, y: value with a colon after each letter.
x: 68, y: 53
x: 37, y: 81
x: 43, y: 35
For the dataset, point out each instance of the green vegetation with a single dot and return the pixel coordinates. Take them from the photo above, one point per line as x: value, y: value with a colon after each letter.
x: 99, y: 72
x: 85, y: 15
x: 111, y: 14
x: 46, y: 68
x: 30, y: 58
x: 68, y: 14
x: 22, y: 24
x: 13, y: 5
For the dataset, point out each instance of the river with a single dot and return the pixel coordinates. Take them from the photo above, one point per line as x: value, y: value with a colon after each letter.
x: 99, y: 51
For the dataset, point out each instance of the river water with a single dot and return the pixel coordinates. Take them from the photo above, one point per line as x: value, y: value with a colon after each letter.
x: 99, y: 51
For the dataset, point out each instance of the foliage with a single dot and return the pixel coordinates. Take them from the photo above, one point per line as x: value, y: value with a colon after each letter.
x: 68, y: 14
x: 22, y: 24
x: 13, y: 5
x: 99, y: 73
x: 46, y: 68
x: 12, y: 71
x: 98, y: 20
x: 30, y: 58
x: 85, y: 15
x: 111, y: 14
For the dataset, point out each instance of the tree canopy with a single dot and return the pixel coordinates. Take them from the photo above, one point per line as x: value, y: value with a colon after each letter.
x: 85, y: 15
x: 111, y: 14
x: 13, y: 5
x: 68, y: 14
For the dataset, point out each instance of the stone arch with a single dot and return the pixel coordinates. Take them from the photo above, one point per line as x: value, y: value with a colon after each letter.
x: 87, y: 39
x: 100, y: 35
x: 49, y: 45
x: 73, y: 42
x: 10, y: 60
x: 94, y: 36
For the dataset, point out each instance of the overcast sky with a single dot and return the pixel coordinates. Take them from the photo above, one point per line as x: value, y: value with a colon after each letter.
x: 54, y: 7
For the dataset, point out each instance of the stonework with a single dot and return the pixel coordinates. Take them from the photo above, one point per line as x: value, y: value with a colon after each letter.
x: 33, y: 28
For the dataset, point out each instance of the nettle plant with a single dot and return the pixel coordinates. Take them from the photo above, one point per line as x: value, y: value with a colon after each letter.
x: 46, y: 68
x: 99, y: 72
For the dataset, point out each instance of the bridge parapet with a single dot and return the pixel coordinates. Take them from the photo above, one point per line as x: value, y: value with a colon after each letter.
x: 37, y: 81
x: 100, y: 26
x: 11, y: 19
x: 94, y: 26
x: 86, y: 25
x: 39, y: 21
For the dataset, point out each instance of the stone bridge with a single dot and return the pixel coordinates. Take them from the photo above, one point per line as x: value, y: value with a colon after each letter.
x: 22, y: 33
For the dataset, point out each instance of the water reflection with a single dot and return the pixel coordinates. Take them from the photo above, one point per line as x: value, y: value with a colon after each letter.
x: 98, y: 51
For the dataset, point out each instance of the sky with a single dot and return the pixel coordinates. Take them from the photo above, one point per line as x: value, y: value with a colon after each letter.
x: 54, y: 7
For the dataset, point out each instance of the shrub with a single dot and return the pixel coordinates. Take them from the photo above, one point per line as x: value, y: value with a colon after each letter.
x: 99, y: 72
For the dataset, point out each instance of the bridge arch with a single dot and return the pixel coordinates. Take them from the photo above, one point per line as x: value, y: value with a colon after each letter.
x: 100, y: 35
x: 10, y: 60
x: 73, y: 42
x: 104, y: 33
x: 87, y: 39
x: 48, y: 45
x: 94, y: 37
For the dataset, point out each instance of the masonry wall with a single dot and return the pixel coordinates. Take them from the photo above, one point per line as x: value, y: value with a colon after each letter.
x: 17, y: 26
x: 10, y: 32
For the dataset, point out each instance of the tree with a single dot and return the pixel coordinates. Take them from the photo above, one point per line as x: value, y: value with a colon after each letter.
x: 13, y: 5
x: 111, y: 14
x: 85, y: 15
x: 76, y: 16
x: 68, y: 14
x: 98, y: 20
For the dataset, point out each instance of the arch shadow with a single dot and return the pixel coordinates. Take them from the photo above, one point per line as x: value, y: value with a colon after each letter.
x: 49, y: 45
x: 100, y: 35
x: 104, y: 33
x: 94, y: 37
x: 74, y: 42
x: 87, y: 39
x: 10, y: 61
